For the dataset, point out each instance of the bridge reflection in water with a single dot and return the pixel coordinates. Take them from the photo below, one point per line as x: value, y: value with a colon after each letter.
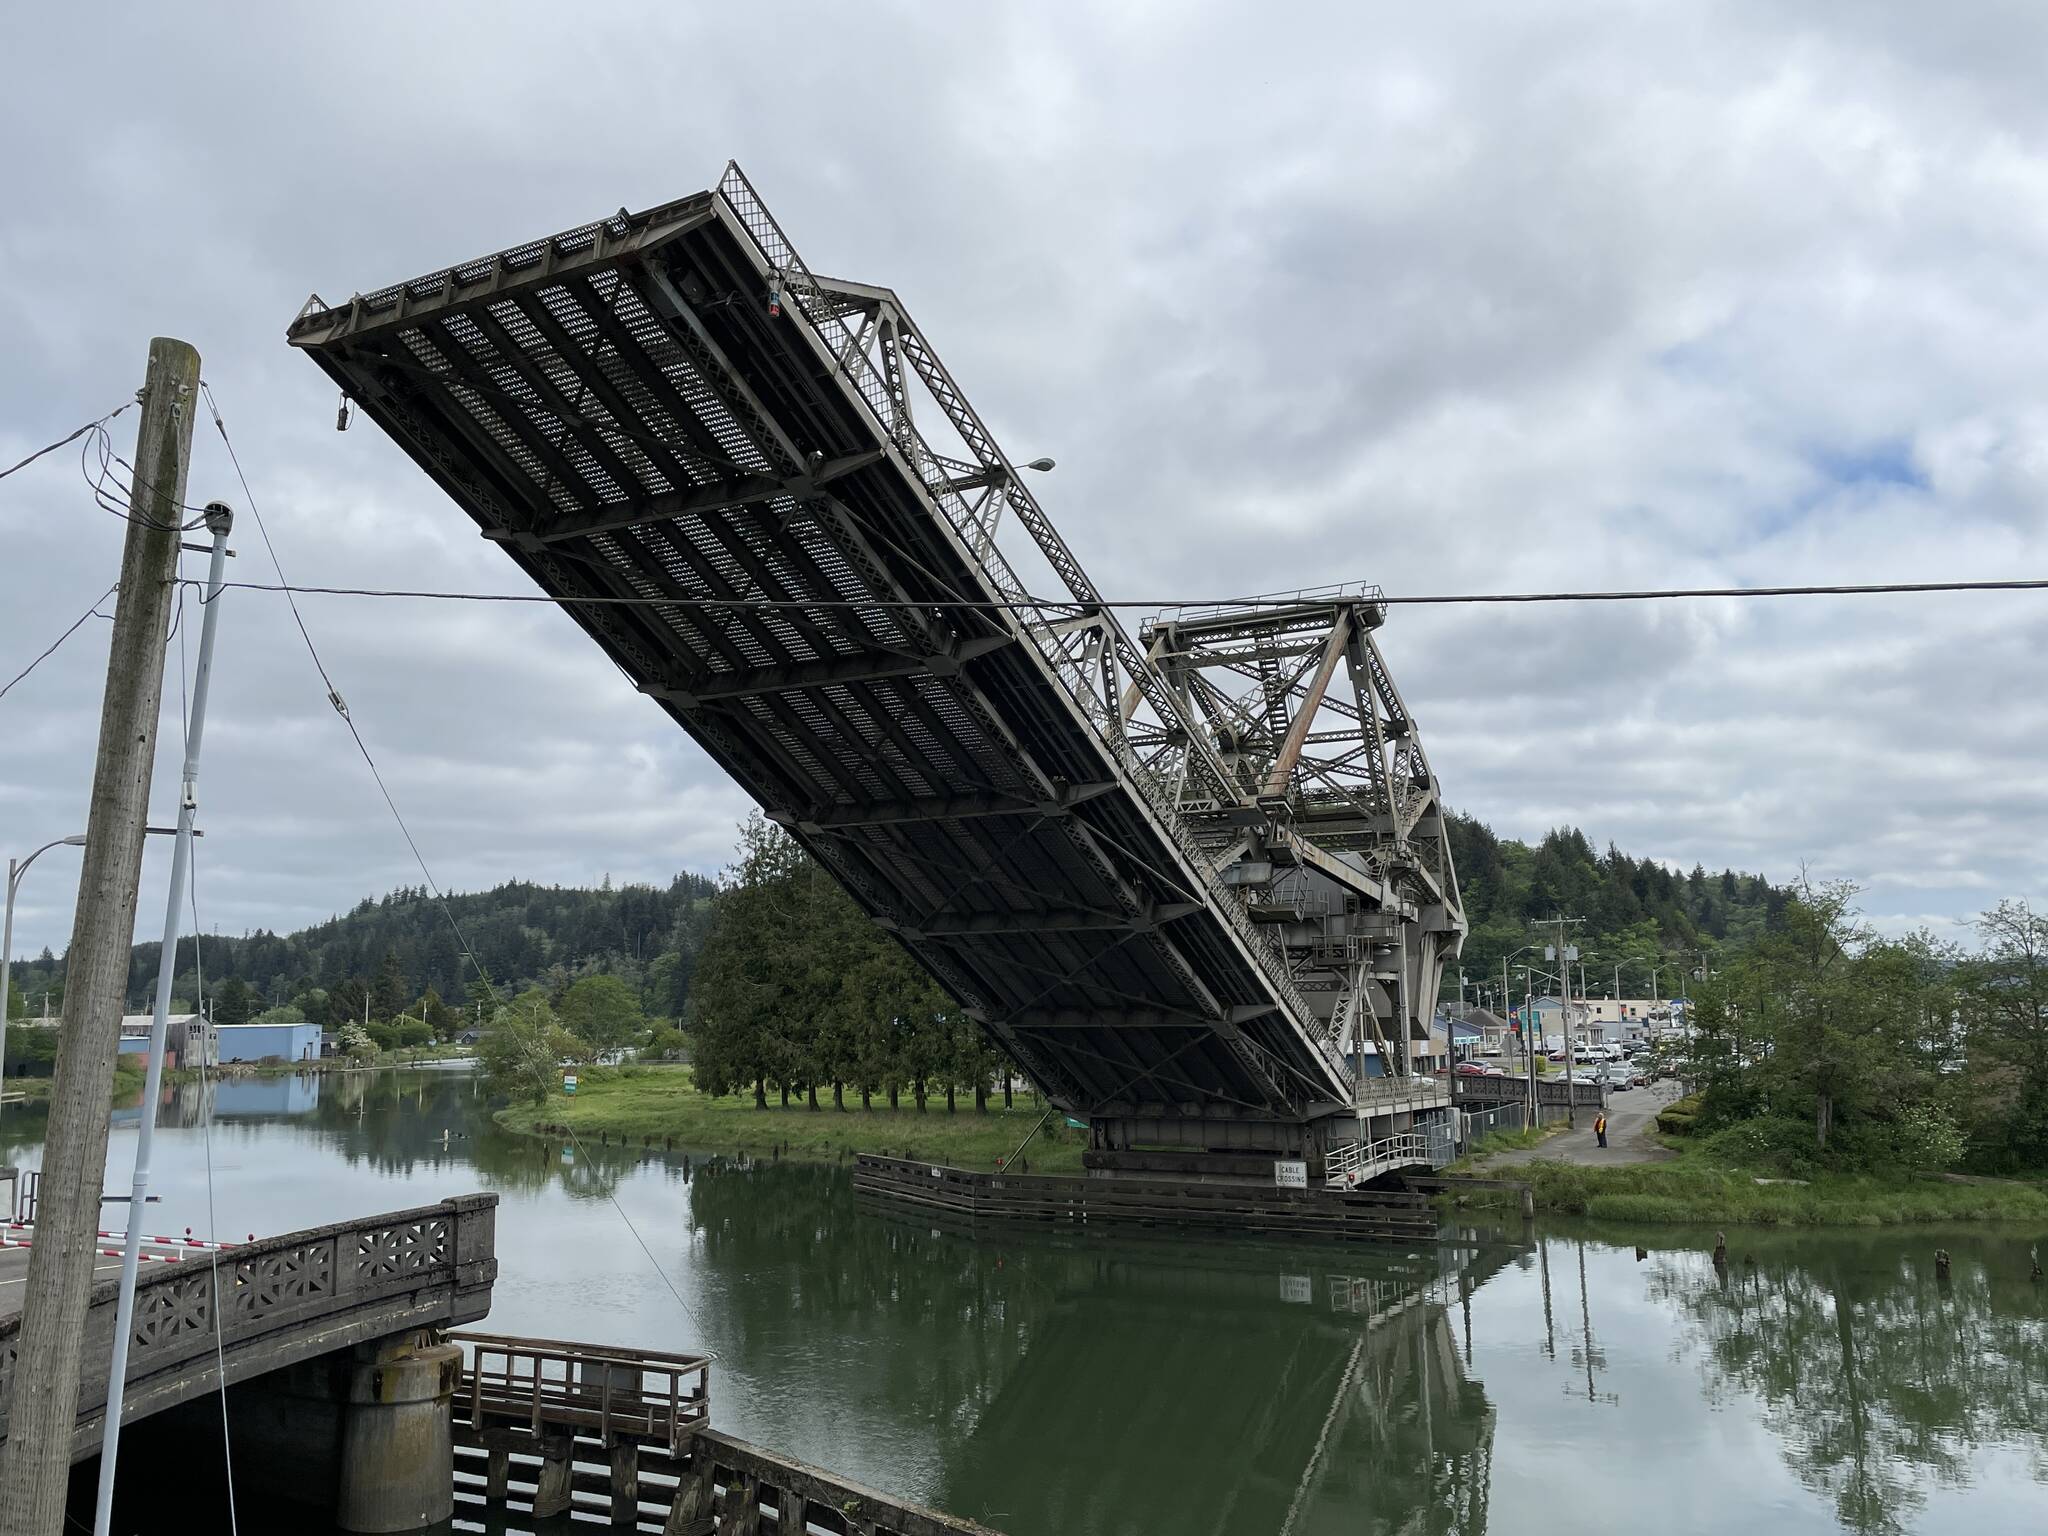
x: 1092, y: 1386
x: 1303, y: 1399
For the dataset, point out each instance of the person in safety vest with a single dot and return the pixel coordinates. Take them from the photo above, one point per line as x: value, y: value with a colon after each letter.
x: 1600, y: 1127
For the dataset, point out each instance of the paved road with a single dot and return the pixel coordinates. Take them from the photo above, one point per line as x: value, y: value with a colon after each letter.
x: 1629, y: 1117
x: 14, y: 1274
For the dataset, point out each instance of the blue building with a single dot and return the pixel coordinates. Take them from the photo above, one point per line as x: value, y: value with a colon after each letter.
x: 265, y: 1042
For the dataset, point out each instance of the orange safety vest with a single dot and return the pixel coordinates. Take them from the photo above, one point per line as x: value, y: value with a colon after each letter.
x: 1600, y: 1126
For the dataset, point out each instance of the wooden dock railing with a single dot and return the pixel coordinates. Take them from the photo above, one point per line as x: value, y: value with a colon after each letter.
x: 647, y: 1396
x: 624, y: 1435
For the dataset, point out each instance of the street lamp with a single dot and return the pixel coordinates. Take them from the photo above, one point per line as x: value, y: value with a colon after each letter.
x: 16, y: 868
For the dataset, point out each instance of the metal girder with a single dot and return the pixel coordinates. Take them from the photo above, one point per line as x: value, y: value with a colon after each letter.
x: 719, y: 496
x: 1131, y: 1018
x: 1050, y: 920
x: 600, y: 246
x: 937, y: 808
x: 807, y: 510
x: 821, y: 674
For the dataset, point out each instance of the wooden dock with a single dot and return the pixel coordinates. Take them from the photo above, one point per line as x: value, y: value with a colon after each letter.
x: 1136, y: 1205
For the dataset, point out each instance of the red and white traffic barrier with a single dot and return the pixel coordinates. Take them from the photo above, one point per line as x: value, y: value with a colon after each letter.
x: 106, y: 1253
x: 187, y: 1241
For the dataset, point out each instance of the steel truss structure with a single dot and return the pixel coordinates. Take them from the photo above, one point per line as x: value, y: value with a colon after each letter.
x: 845, y: 594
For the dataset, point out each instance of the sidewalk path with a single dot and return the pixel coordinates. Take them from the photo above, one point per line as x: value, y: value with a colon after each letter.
x: 1631, y: 1116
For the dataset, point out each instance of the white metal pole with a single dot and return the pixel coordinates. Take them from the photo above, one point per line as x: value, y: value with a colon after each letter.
x: 16, y: 868
x: 7, y: 966
x: 218, y: 521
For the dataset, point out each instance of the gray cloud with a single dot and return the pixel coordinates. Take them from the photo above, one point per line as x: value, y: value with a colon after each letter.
x: 1493, y: 297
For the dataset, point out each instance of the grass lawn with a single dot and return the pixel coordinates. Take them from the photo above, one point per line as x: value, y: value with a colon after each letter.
x: 1695, y: 1190
x: 635, y: 1102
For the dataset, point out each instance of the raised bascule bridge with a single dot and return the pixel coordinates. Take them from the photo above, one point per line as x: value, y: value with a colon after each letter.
x: 1194, y: 881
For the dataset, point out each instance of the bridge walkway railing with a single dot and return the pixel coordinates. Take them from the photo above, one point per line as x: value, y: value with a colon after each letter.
x: 1360, y: 1162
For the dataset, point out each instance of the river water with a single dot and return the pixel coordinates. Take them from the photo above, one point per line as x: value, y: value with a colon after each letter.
x: 1091, y: 1388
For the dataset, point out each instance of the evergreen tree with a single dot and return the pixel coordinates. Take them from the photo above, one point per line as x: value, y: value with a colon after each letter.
x: 388, y: 993
x: 233, y: 1002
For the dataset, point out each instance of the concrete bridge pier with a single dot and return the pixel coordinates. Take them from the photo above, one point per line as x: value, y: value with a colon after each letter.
x: 365, y: 1432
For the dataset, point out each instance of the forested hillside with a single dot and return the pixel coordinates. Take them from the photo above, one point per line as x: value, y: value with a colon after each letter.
x: 1638, y: 914
x: 398, y: 947
x: 391, y: 950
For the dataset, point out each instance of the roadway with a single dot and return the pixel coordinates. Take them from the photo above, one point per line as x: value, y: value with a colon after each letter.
x: 1631, y: 1116
x: 14, y: 1276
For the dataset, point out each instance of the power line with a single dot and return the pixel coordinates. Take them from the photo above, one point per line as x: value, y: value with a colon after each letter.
x: 448, y: 911
x: 70, y: 437
x: 1161, y: 604
x: 341, y: 705
x: 51, y: 650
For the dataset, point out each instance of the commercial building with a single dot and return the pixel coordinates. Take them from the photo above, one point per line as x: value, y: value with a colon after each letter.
x: 188, y: 1042
x: 268, y: 1042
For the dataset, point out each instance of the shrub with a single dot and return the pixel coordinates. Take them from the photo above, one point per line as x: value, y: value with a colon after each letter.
x: 1769, y: 1143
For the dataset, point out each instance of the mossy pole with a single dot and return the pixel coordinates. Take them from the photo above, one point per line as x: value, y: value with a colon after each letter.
x: 35, y: 1464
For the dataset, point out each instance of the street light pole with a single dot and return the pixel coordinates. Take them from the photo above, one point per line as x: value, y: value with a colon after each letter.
x: 16, y: 868
x: 219, y: 520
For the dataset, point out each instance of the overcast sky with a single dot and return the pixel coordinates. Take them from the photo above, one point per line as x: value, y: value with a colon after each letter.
x: 1460, y: 298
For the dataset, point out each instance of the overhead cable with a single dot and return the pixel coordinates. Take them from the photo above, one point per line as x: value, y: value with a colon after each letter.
x: 340, y: 705
x: 99, y: 422
x: 68, y: 633
x: 447, y: 909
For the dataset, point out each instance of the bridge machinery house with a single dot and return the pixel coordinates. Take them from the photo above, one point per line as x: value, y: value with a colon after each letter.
x: 1193, y: 879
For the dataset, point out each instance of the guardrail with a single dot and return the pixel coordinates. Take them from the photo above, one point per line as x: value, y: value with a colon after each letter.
x: 1506, y: 1090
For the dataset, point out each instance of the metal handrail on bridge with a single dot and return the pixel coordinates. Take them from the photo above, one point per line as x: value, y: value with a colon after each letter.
x: 646, y: 1396
x: 1356, y: 1162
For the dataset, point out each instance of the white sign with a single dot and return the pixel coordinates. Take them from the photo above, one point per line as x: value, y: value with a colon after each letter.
x: 1299, y: 1289
x: 1290, y: 1175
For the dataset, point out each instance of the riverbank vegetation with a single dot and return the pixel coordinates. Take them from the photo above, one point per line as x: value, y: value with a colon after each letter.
x: 1839, y: 1077
x: 1823, y: 1048
x: 1696, y: 1190
x: 633, y: 1103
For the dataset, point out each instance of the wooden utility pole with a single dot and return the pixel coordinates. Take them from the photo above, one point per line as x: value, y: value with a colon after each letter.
x: 1564, y: 1002
x: 35, y: 1464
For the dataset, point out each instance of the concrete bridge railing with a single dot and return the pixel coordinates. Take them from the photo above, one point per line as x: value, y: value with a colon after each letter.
x: 281, y: 1300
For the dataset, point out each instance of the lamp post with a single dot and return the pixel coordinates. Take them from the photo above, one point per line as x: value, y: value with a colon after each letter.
x: 16, y: 868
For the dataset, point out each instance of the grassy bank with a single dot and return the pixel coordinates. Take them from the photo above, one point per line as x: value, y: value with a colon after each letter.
x: 36, y: 1090
x: 633, y: 1103
x: 1690, y: 1191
